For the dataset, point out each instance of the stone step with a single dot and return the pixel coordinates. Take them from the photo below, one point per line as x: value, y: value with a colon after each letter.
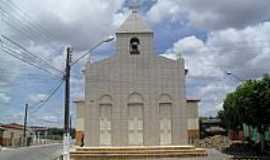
x: 86, y: 153
x: 137, y: 151
x: 135, y: 148
x: 86, y: 156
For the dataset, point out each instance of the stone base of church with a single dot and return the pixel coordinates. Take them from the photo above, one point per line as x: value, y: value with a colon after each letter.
x: 135, y: 152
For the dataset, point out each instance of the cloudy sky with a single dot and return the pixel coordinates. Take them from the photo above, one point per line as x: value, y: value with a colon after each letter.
x: 213, y: 37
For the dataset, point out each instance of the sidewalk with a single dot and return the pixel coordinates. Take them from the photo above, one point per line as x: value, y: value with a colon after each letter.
x: 44, y: 152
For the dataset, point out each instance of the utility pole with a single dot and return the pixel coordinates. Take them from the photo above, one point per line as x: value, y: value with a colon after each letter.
x: 25, y: 124
x: 67, y: 100
x: 67, y: 91
x: 67, y: 95
x: 70, y: 125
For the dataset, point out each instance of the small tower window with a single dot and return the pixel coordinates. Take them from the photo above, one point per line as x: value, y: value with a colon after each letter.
x: 134, y: 46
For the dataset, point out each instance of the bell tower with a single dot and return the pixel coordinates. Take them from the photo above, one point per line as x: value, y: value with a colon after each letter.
x: 134, y: 37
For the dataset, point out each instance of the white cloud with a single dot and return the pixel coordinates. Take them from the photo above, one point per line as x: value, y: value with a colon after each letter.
x: 212, y: 14
x: 189, y: 45
x: 119, y: 18
x: 77, y: 23
x: 4, y: 98
x: 81, y: 24
x: 244, y: 52
x: 9, y: 72
x: 164, y: 9
x: 236, y: 41
x: 47, y: 120
x: 78, y: 87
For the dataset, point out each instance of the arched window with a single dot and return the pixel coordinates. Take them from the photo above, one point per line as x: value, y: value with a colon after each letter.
x: 134, y: 46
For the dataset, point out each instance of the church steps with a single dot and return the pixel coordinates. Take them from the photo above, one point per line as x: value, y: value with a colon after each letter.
x: 83, y: 156
x: 134, y: 148
x: 136, y: 152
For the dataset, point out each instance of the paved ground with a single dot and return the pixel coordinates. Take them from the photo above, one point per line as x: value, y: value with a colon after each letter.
x: 212, y: 155
x: 44, y: 152
x: 52, y: 151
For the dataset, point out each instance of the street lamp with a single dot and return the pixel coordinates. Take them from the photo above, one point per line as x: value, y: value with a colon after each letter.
x: 229, y: 73
x: 106, y: 40
x: 67, y: 93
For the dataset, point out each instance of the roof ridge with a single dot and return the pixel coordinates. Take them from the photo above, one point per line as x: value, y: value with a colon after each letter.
x: 134, y: 23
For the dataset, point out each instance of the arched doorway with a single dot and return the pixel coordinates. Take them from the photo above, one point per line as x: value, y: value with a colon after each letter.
x: 165, y: 119
x: 135, y: 119
x: 105, y: 121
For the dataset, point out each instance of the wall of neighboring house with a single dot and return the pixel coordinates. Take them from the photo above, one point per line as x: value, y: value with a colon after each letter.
x: 12, y: 137
x: 193, y: 121
x: 1, y: 136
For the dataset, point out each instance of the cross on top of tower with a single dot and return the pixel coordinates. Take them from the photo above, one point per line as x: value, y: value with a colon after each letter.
x: 135, y: 6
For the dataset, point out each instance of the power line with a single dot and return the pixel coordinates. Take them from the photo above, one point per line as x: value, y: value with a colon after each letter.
x: 25, y: 14
x: 30, y: 77
x: 41, y: 104
x: 20, y: 15
x: 25, y: 29
x: 15, y: 55
x: 28, y: 52
x: 108, y: 39
x: 27, y: 75
x: 18, y: 30
x: 39, y: 78
x: 36, y: 60
x: 44, y: 120
x: 22, y: 80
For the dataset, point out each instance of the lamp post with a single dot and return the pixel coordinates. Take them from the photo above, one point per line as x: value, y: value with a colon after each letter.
x: 66, y: 141
x: 106, y: 40
x: 235, y: 77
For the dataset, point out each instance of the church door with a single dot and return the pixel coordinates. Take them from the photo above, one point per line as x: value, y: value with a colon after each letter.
x: 105, y: 127
x: 165, y: 121
x: 135, y: 124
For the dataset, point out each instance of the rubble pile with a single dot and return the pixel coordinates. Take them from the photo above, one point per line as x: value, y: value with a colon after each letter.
x: 219, y: 142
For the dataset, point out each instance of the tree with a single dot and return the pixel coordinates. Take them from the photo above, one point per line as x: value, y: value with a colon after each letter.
x: 60, y: 131
x: 230, y: 116
x: 249, y: 104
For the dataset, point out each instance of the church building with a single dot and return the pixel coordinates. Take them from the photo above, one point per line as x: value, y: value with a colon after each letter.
x: 136, y: 97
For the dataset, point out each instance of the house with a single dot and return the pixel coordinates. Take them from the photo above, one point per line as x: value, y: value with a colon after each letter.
x: 11, y: 135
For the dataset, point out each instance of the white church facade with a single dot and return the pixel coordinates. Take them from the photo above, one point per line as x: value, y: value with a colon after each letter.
x: 135, y: 98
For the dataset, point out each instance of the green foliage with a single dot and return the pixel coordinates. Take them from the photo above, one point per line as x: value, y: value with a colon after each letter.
x: 56, y: 131
x: 60, y: 132
x: 249, y: 104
